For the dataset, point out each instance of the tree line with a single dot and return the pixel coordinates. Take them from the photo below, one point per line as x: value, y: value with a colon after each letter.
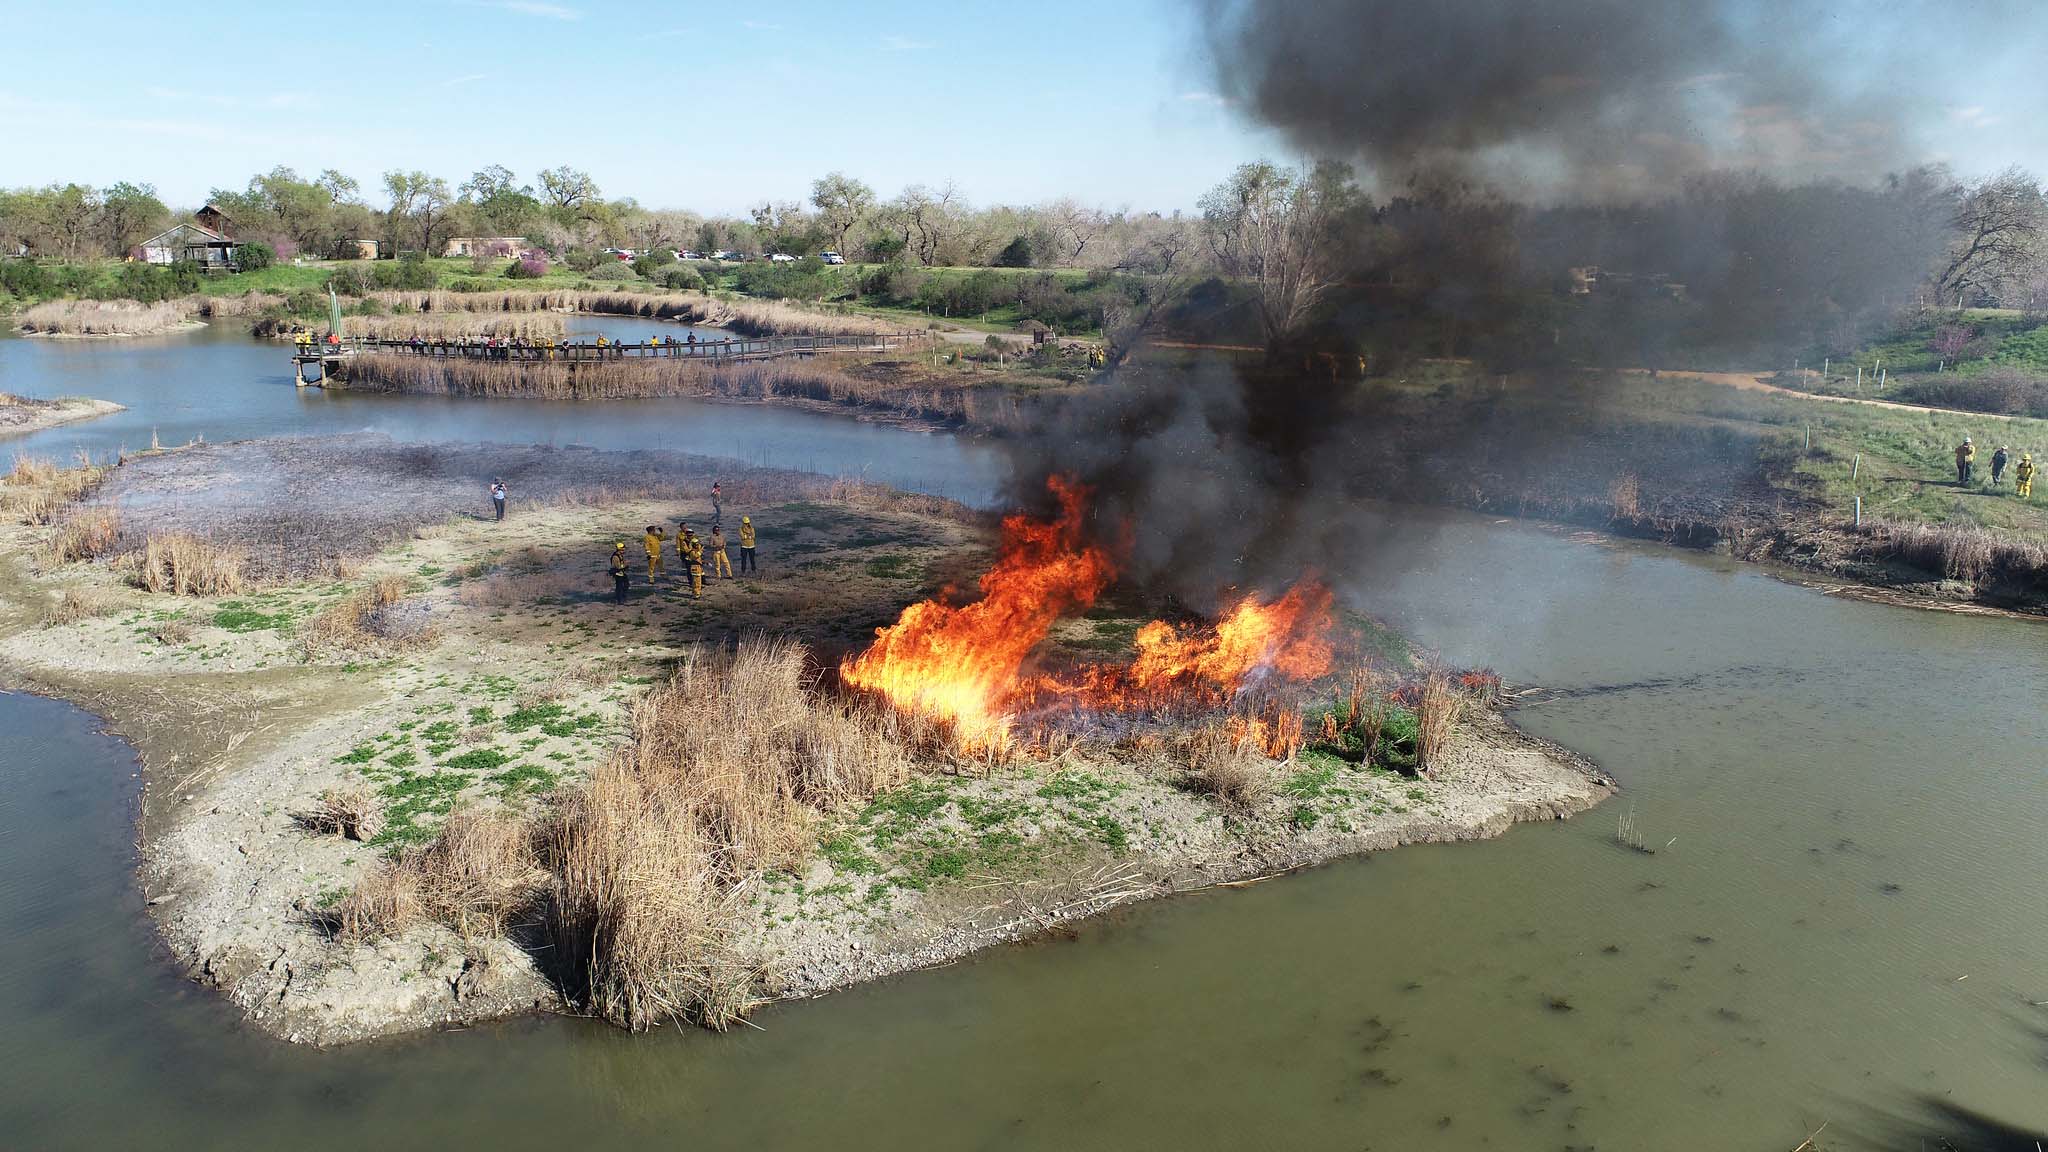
x: 563, y: 208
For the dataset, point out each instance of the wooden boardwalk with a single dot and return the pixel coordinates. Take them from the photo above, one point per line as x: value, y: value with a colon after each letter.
x: 736, y: 349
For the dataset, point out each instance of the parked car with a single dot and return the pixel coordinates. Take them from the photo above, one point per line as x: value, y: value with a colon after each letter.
x: 782, y: 258
x: 831, y: 257
x: 686, y: 254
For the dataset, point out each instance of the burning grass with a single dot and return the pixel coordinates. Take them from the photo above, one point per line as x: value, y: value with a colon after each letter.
x: 100, y: 318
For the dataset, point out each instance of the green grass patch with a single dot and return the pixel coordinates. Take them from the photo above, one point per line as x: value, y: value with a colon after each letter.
x: 477, y: 760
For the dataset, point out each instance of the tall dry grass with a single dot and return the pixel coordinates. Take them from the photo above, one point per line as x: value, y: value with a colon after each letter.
x: 451, y: 326
x: 644, y: 871
x: 472, y: 878
x: 35, y: 489
x: 940, y: 400
x: 1229, y: 765
x: 186, y: 565
x: 1624, y: 492
x: 87, y: 534
x: 100, y: 318
x: 746, y: 317
x: 1438, y: 706
x: 1959, y: 551
x: 249, y: 303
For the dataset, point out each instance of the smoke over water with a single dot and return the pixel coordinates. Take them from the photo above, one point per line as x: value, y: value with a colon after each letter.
x: 1594, y: 97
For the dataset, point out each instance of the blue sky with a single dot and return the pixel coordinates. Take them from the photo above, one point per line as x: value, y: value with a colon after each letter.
x: 715, y: 107
x: 684, y: 103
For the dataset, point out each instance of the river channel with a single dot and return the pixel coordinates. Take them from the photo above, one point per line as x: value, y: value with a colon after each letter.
x: 1843, y: 920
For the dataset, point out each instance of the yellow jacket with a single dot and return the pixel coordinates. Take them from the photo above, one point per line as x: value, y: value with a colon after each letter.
x: 653, y: 542
x: 691, y: 548
x: 1965, y: 452
x: 2024, y: 470
x: 746, y: 534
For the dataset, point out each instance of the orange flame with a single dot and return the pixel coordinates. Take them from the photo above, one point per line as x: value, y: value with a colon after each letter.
x: 961, y: 663
x: 964, y: 664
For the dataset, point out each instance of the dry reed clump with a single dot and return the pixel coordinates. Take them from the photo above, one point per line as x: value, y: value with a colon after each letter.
x: 746, y: 317
x: 1438, y: 706
x: 373, y: 619
x: 34, y: 489
x: 74, y: 605
x: 451, y: 326
x: 941, y: 400
x: 86, y: 535
x: 185, y: 565
x: 472, y: 878
x: 100, y: 318
x: 1624, y: 493
x: 247, y: 304
x: 731, y: 761
x: 352, y: 813
x: 1959, y: 551
x: 444, y: 302
x: 171, y: 633
x: 1228, y: 764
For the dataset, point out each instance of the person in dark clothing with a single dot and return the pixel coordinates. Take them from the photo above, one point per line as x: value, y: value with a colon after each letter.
x: 621, y: 580
x: 498, y: 498
x: 717, y: 505
x: 1998, y: 461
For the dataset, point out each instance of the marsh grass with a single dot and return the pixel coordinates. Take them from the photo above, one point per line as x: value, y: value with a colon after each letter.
x: 101, y: 318
x: 1437, y: 709
x: 186, y: 565
x: 372, y: 619
x: 1229, y: 766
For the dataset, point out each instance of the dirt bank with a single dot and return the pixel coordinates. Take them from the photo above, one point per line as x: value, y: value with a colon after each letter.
x: 20, y: 415
x: 497, y: 669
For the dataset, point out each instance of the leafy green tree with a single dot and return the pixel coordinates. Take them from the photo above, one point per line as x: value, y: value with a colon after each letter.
x: 842, y: 203
x: 129, y: 213
x: 569, y: 193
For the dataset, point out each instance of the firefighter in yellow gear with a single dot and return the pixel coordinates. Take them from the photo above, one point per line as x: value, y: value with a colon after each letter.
x: 1966, y: 456
x: 747, y: 544
x: 620, y: 579
x: 691, y: 551
x: 721, y: 561
x: 653, y: 541
x: 2023, y: 476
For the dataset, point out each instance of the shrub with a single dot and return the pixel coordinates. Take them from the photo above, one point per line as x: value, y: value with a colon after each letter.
x: 586, y: 259
x: 652, y: 262
x: 1016, y: 254
x: 613, y: 272
x: 531, y: 267
x: 412, y: 273
x: 682, y: 277
x: 254, y: 256
x: 354, y: 279
x: 74, y: 605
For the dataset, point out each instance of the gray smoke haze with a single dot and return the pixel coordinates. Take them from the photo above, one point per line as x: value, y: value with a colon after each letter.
x: 1601, y: 98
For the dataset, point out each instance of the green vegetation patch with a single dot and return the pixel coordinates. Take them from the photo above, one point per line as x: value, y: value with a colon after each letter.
x: 477, y: 760
x: 245, y: 619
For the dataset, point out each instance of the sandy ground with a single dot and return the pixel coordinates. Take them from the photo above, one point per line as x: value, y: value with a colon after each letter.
x: 20, y: 415
x: 1756, y: 382
x: 527, y: 681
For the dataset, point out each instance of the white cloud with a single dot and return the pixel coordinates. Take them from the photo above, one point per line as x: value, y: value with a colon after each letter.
x: 1975, y: 116
x: 1214, y: 100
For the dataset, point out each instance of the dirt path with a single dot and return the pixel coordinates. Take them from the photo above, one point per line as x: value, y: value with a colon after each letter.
x: 1752, y: 382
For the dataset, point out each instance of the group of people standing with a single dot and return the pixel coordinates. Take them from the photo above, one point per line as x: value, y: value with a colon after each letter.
x: 2022, y: 472
x: 693, y: 552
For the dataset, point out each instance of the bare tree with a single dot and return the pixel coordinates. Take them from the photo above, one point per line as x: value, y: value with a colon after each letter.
x: 1998, y: 227
x: 927, y: 218
x: 1276, y: 228
x: 1076, y: 226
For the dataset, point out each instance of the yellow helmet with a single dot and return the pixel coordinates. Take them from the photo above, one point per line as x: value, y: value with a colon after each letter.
x: 746, y: 519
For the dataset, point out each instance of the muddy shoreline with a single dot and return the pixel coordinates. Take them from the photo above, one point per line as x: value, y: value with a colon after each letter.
x: 241, y: 726
x: 20, y: 416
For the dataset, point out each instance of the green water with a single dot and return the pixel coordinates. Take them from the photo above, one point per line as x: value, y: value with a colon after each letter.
x: 1845, y: 921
